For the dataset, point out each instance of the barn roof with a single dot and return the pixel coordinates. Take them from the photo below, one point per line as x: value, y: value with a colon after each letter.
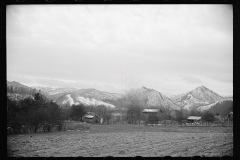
x: 90, y: 116
x: 194, y: 118
x: 150, y: 110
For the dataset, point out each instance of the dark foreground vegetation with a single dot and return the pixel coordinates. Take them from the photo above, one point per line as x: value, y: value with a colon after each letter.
x: 37, y: 113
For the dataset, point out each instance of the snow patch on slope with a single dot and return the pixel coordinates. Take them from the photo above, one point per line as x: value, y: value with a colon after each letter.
x: 68, y: 100
x: 92, y: 101
x: 155, y: 98
x: 204, y: 108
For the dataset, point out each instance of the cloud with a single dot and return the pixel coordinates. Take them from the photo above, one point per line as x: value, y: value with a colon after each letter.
x: 121, y: 45
x: 40, y: 81
x: 192, y: 79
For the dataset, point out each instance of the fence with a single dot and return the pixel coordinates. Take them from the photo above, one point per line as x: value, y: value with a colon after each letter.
x: 212, y: 124
x: 25, y: 129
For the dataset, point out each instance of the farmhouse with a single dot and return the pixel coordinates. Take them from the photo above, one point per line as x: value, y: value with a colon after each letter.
x: 193, y: 119
x: 147, y: 112
x: 91, y: 117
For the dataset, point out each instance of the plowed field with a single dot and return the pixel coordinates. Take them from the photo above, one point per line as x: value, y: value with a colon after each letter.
x: 125, y: 140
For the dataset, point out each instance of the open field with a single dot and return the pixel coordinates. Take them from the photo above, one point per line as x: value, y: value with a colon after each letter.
x: 126, y: 140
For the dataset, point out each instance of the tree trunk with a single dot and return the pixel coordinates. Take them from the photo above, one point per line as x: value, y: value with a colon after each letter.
x: 49, y: 128
x: 52, y: 126
x: 35, y: 128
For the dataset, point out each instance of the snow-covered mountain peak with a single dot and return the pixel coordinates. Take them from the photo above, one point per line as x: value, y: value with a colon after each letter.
x: 197, y: 97
x: 151, y: 98
x: 151, y: 90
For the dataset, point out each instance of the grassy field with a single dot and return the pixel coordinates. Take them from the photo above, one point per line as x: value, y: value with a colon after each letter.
x: 125, y: 140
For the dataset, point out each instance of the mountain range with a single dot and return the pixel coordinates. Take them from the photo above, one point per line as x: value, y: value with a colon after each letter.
x: 200, y: 98
x: 54, y: 93
x: 16, y: 84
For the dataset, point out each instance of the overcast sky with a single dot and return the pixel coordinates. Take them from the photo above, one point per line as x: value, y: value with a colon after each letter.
x: 170, y: 48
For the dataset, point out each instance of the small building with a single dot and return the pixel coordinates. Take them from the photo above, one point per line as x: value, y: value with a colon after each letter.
x: 147, y: 112
x: 91, y: 118
x: 194, y: 119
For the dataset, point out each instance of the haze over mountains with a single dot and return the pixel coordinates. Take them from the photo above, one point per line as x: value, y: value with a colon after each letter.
x: 200, y: 98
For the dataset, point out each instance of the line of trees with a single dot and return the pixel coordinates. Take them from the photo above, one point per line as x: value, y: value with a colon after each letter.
x: 103, y: 112
x: 206, y: 116
x: 22, y: 90
x: 135, y: 115
x: 32, y: 114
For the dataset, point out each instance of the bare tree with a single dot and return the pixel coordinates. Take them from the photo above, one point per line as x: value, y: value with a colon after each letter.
x: 104, y: 112
x: 134, y: 114
x: 208, y: 117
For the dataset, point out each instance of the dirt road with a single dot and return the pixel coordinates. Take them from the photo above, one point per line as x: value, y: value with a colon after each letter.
x: 150, y: 142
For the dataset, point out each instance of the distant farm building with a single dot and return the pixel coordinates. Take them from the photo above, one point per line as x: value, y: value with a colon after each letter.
x: 149, y: 112
x: 91, y: 117
x: 229, y: 115
x: 194, y: 119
